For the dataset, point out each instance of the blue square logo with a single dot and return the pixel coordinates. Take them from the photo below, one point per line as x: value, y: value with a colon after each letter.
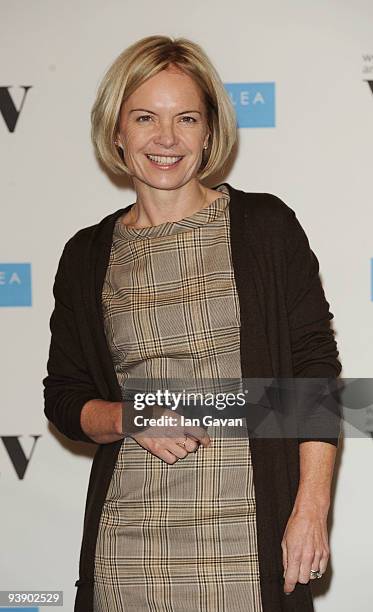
x: 15, y: 284
x: 254, y: 103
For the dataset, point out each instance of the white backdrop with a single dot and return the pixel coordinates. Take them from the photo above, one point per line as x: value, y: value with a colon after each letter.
x: 317, y: 158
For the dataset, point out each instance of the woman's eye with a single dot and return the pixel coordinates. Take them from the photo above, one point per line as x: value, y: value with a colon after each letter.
x: 188, y: 119
x: 147, y: 118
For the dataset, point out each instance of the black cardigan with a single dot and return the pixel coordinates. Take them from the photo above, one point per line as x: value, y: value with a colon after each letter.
x: 285, y: 332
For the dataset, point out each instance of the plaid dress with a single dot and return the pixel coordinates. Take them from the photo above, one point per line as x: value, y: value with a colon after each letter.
x: 177, y: 537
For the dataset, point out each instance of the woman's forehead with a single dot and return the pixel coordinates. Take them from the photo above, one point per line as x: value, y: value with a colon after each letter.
x: 168, y: 88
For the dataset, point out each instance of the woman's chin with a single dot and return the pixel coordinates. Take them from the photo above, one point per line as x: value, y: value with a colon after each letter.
x: 162, y: 182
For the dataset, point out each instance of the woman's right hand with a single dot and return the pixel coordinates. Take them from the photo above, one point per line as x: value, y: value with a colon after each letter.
x: 166, y: 442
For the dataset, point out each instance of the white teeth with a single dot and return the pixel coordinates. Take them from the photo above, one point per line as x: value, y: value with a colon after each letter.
x: 164, y: 160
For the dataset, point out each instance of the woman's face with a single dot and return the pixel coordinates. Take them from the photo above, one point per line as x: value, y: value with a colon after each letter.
x: 163, y: 129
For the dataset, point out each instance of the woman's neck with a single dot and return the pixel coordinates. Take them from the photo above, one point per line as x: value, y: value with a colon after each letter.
x: 156, y: 206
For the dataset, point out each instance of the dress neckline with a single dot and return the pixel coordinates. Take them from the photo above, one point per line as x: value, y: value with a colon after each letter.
x: 199, y: 218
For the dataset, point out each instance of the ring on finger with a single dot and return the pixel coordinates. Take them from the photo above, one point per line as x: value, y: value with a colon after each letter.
x: 316, y: 574
x: 183, y: 443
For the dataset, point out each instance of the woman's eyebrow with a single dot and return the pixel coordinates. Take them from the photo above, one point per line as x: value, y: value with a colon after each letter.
x: 190, y: 111
x: 153, y: 113
x: 143, y: 110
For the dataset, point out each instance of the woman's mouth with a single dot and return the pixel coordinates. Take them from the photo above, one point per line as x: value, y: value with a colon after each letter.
x: 164, y: 161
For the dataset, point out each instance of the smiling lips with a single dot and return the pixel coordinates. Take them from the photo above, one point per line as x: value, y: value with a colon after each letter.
x: 165, y: 161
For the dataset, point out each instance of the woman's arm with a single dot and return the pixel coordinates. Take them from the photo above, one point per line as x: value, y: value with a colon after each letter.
x: 305, y: 543
x: 101, y: 421
x: 316, y: 473
x: 315, y: 356
x: 71, y: 399
x: 68, y: 386
x: 313, y: 346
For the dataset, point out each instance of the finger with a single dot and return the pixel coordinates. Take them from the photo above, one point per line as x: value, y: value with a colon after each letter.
x: 323, y: 563
x: 292, y: 574
x: 177, y: 449
x: 191, y: 445
x: 157, y: 447
x: 315, y: 564
x: 284, y: 556
x: 162, y: 453
x: 309, y: 557
x: 166, y: 456
x: 199, y: 434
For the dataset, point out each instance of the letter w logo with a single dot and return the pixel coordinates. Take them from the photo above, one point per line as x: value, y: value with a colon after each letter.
x: 7, y: 107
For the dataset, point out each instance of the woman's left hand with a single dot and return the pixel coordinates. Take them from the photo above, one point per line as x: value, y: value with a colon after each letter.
x: 304, y: 545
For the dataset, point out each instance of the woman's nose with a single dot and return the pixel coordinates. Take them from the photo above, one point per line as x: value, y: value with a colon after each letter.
x: 165, y: 135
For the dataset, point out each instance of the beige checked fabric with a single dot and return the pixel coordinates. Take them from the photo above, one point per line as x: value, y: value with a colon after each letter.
x: 181, y: 537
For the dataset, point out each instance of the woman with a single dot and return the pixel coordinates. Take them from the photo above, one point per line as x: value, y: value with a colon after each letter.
x: 188, y: 283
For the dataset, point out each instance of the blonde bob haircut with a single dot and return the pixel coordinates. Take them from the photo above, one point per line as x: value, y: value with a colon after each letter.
x: 139, y: 62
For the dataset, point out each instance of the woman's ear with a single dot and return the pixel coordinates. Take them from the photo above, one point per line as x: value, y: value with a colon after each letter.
x: 118, y: 143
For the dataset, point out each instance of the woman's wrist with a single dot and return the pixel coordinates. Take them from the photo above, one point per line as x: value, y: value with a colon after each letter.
x: 308, y: 500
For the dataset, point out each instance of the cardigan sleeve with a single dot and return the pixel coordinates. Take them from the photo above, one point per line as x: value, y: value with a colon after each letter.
x: 68, y: 385
x: 313, y: 345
